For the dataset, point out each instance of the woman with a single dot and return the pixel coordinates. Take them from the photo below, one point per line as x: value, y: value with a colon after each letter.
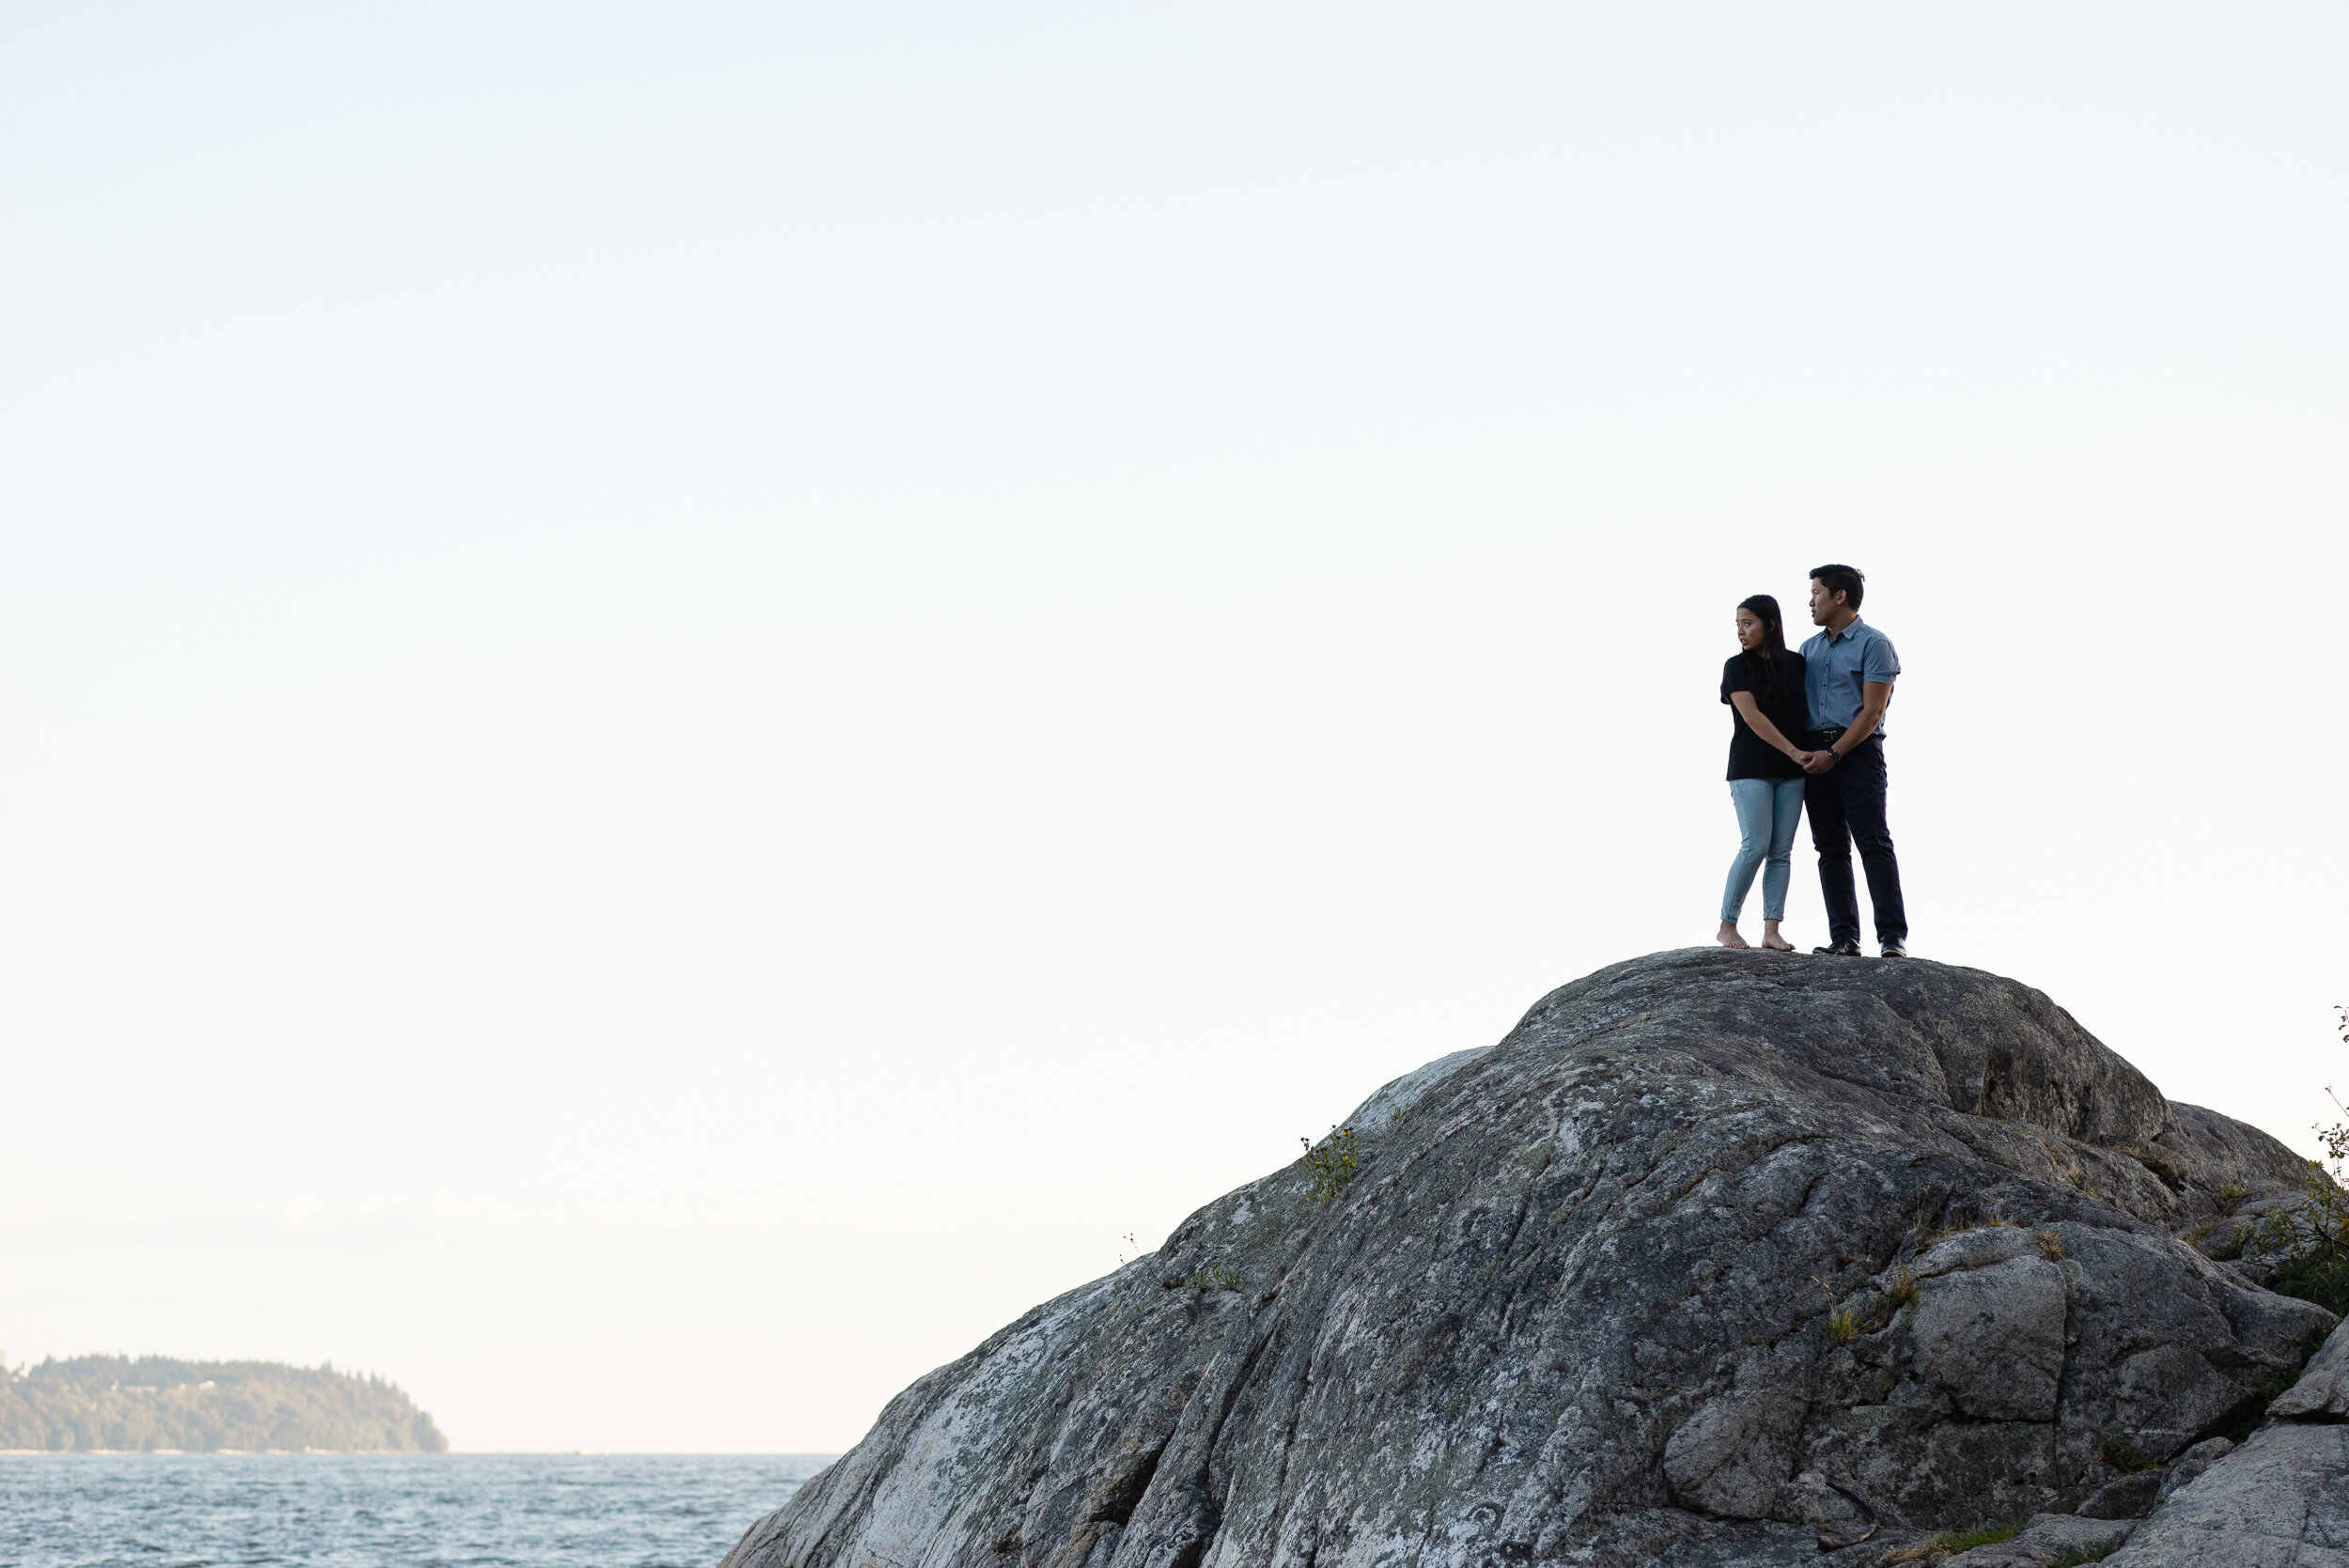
x: 1763, y: 687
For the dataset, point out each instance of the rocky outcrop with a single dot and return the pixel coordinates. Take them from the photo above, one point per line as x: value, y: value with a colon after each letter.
x: 2280, y: 1501
x: 2322, y: 1394
x: 1720, y: 1258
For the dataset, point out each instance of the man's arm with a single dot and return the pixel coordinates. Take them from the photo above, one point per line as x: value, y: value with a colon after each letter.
x: 1874, y: 697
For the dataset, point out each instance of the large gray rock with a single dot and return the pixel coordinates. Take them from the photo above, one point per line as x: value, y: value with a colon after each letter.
x: 2132, y: 1497
x: 1993, y: 1337
x: 1719, y: 1258
x: 2188, y: 1466
x: 2323, y: 1391
x: 2280, y: 1501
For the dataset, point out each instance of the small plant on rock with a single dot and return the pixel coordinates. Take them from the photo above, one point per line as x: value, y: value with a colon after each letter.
x: 1934, y: 1548
x: 1843, y: 1323
x: 2230, y: 1198
x: 2125, y: 1456
x: 2312, y: 1237
x: 1988, y: 1535
x: 1332, y: 1163
x: 2073, y: 1557
x: 1221, y: 1277
x: 1901, y: 1291
x: 2049, y: 1243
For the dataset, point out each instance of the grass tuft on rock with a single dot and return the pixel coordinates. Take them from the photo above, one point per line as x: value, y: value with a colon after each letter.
x: 1988, y: 1535
x: 2072, y: 1557
x: 1332, y: 1163
x: 1223, y: 1277
x: 1949, y: 1540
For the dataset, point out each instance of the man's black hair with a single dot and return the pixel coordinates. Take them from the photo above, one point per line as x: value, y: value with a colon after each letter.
x: 1848, y: 581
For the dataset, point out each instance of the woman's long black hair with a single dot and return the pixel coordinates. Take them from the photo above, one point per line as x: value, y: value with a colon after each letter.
x: 1773, y: 647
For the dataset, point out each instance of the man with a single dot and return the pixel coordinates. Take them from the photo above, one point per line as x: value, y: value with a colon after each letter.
x: 1848, y: 672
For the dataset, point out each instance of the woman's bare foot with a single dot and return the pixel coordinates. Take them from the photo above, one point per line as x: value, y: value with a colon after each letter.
x: 1729, y: 937
x: 1771, y: 940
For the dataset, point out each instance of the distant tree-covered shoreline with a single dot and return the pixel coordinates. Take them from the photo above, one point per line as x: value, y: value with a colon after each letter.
x: 146, y: 1403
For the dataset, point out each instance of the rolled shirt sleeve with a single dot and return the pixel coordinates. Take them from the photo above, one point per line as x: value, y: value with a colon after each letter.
x: 1877, y: 662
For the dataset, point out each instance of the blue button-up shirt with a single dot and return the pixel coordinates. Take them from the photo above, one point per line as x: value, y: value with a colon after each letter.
x: 1836, y: 665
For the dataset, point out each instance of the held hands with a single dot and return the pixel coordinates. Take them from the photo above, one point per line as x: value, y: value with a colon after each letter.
x: 1817, y: 762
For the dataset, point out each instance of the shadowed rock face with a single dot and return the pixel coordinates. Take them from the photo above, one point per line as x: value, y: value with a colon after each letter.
x: 1719, y: 1258
x: 2280, y: 1501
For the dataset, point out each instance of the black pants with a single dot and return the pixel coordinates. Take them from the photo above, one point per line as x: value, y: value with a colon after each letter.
x: 1846, y: 803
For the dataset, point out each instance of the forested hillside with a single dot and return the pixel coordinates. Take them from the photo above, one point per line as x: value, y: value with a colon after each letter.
x: 115, y: 1402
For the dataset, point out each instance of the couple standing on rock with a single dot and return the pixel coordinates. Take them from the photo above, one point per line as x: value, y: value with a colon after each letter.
x: 1809, y: 730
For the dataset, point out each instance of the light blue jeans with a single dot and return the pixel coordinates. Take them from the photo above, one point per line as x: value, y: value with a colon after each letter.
x: 1768, y: 811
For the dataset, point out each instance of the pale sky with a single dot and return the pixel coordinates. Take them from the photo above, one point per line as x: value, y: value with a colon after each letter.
x: 691, y: 696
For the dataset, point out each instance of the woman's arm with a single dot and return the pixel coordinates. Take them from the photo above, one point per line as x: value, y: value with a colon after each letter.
x: 1759, y: 722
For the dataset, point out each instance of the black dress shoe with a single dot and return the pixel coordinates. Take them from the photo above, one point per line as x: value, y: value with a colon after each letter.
x: 1841, y: 950
x: 1893, y: 950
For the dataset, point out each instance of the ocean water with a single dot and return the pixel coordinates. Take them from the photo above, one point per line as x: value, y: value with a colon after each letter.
x: 396, y: 1510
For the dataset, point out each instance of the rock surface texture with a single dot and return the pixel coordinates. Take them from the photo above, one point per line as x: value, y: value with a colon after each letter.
x: 1720, y: 1258
x: 2280, y: 1501
x: 2048, y: 1538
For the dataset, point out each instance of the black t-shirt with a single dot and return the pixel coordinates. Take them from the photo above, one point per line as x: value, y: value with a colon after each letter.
x: 1776, y: 683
